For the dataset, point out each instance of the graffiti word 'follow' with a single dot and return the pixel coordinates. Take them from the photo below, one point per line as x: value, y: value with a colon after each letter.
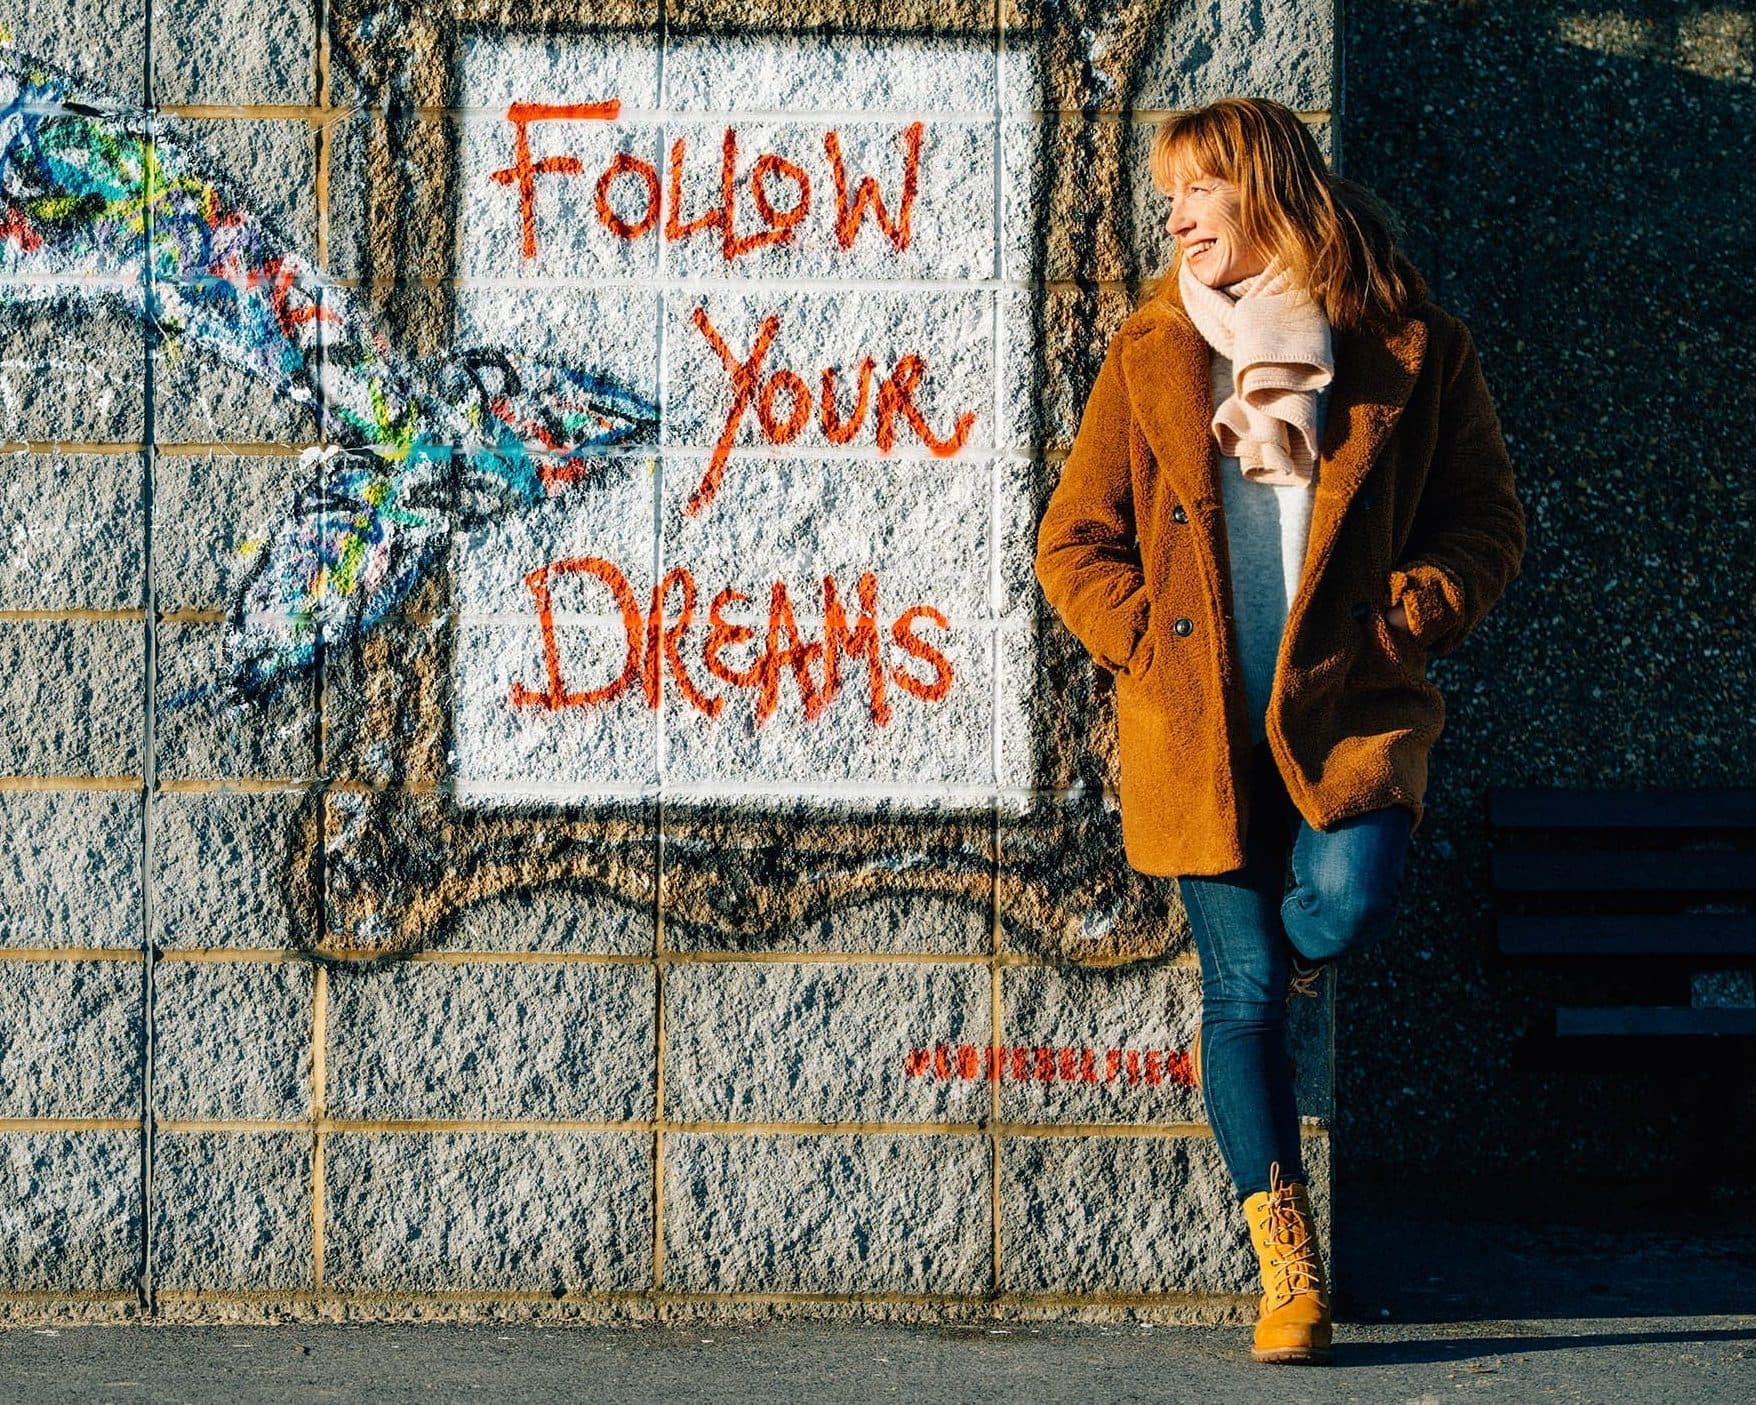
x: 779, y: 189
x: 1023, y: 1063
x: 655, y: 646
x: 782, y: 402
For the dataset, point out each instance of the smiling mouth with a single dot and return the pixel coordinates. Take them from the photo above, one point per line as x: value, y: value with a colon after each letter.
x: 1197, y: 250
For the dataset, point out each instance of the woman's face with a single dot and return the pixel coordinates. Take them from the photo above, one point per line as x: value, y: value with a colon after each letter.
x: 1205, y: 221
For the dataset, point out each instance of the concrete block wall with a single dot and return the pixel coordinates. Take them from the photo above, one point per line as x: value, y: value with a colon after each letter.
x: 397, y: 915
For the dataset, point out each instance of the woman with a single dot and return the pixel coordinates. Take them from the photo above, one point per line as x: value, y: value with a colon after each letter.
x: 1289, y: 489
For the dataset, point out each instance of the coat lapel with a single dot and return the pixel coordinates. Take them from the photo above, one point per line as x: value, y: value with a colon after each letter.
x: 1168, y: 387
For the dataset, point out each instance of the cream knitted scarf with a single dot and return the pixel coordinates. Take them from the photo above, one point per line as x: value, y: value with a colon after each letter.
x: 1278, y: 341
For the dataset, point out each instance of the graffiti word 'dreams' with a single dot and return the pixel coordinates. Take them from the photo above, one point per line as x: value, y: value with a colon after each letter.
x: 779, y: 189
x: 655, y: 645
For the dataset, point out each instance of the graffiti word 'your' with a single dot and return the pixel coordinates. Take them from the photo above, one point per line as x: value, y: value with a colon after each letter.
x: 655, y: 646
x: 782, y: 401
x: 772, y: 179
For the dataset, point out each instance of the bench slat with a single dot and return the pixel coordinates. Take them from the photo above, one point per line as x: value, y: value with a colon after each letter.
x: 1576, y: 1021
x: 1551, y: 807
x: 1603, y: 934
x: 1623, y: 871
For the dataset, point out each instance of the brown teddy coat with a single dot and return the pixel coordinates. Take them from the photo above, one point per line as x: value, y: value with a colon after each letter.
x: 1414, y: 503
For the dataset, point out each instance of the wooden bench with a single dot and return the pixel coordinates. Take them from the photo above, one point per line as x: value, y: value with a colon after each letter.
x: 1649, y: 894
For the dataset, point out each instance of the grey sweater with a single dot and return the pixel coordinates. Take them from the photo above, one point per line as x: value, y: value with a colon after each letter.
x: 1267, y: 527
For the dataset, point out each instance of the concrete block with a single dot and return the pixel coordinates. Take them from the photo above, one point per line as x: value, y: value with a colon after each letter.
x: 232, y: 1211
x: 198, y: 737
x: 541, y: 64
x: 211, y: 514
x: 72, y: 699
x: 849, y: 70
x: 570, y: 917
x: 200, y: 399
x: 1117, y: 1044
x: 69, y: 868
x: 567, y: 238
x: 70, y: 1211
x: 425, y: 1040
x: 935, y: 750
x: 582, y: 749
x: 551, y: 1212
x: 951, y: 331
x: 950, y: 232
x: 961, y: 17
x: 385, y: 692
x: 1192, y: 54
x: 611, y: 332
x: 1021, y: 495
x: 820, y: 1043
x: 219, y: 51
x: 492, y: 871
x: 1067, y: 892
x: 1017, y: 768
x: 1131, y: 1215
x: 73, y: 533
x: 612, y: 515
x: 1060, y: 208
x: 1280, y: 49
x: 904, y: 923
x: 828, y: 1214
x: 1053, y: 344
x: 231, y: 1040
x: 221, y: 869
x: 923, y: 527
x: 386, y: 181
x: 70, y: 367
x: 794, y: 880
x: 1057, y: 718
x: 273, y: 161
x: 101, y: 47
x: 70, y: 1038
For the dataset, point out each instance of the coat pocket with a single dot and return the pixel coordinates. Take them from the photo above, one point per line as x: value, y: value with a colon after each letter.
x: 1404, y: 651
x: 1144, y: 647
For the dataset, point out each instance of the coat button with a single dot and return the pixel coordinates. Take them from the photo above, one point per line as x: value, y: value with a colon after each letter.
x: 1178, y: 515
x: 1184, y: 625
x: 1359, y: 609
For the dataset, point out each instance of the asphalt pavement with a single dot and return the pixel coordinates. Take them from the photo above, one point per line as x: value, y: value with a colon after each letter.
x: 1453, y: 1293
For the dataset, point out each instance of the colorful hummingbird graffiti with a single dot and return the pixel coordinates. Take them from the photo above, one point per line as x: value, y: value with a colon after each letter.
x: 114, y: 201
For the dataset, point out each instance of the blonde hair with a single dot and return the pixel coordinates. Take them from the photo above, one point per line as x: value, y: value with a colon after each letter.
x: 1336, y: 238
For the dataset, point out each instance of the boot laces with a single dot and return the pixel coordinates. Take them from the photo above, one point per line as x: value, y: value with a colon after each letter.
x: 1293, y: 1259
x: 1305, y: 980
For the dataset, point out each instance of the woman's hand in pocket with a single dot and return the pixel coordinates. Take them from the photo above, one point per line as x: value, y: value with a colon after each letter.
x: 1397, y: 618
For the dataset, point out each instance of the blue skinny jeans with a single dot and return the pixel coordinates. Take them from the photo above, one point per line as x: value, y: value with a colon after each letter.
x: 1346, y: 885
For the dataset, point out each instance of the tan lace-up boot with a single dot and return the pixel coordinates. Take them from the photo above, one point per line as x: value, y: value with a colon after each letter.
x: 1294, y: 1326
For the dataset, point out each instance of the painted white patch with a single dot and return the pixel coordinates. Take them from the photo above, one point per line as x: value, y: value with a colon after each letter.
x: 581, y: 257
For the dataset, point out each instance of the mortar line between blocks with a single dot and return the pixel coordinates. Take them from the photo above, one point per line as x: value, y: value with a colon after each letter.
x: 658, y: 845
x: 964, y: 117
x: 1309, y: 1128
x: 34, y: 783
x: 996, y: 1040
x: 71, y: 1124
x: 319, y: 1112
x: 149, y: 706
x: 320, y: 177
x: 1170, y: 1298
